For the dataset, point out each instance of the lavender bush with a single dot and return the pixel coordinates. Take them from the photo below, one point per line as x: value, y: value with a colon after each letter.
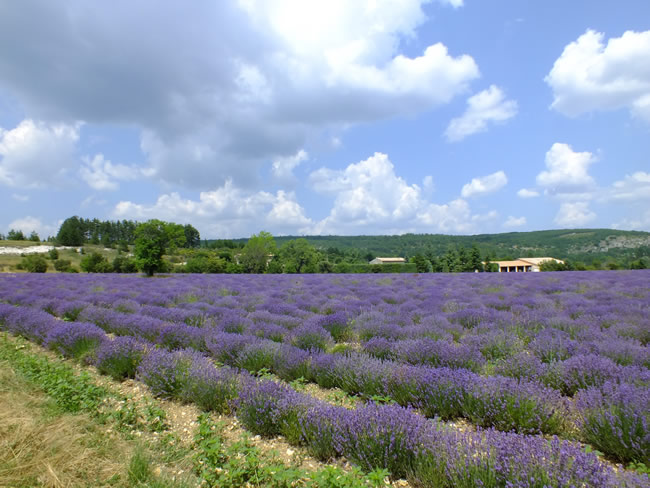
x: 616, y: 420
x: 119, y: 358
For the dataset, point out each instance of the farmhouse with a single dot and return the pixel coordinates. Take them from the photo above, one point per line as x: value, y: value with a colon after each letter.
x: 523, y: 265
x: 388, y: 261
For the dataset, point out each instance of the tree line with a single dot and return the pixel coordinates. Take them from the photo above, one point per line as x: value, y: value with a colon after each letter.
x: 159, y: 246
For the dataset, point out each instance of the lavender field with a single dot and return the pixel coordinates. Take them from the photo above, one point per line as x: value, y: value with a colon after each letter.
x: 532, y: 380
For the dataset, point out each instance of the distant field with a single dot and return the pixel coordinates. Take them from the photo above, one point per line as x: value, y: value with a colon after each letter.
x: 8, y: 262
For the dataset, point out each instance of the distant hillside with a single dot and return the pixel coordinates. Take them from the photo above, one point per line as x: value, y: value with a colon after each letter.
x: 578, y: 244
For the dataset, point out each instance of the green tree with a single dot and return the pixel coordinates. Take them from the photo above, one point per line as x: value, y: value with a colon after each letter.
x: 257, y: 252
x: 71, y: 232
x: 475, y: 259
x: 422, y: 265
x: 298, y: 256
x: 192, y: 236
x: 122, y: 264
x: 95, y: 263
x: 34, y: 237
x: 152, y: 240
x: 15, y: 235
x: 34, y: 263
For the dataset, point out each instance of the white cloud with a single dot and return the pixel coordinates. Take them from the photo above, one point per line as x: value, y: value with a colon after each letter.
x: 101, y: 174
x: 514, y: 221
x: 487, y: 106
x: 233, y: 86
x: 19, y: 197
x: 574, y: 214
x: 640, y: 221
x: 484, y: 185
x: 427, y: 183
x: 591, y: 76
x: 29, y: 224
x: 282, y: 168
x: 371, y: 198
x: 36, y: 154
x: 527, y: 193
x: 227, y: 211
x: 566, y: 170
x: 635, y: 187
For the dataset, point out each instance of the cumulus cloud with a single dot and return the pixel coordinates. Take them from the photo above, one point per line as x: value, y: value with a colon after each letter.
x: 487, y: 106
x: 29, y: 224
x: 369, y: 197
x: 35, y: 154
x: 101, y: 174
x: 484, y: 185
x: 233, y: 86
x: 282, y: 168
x: 514, y: 221
x: 228, y: 211
x: 566, y: 170
x: 634, y: 187
x: 591, y: 75
x: 527, y: 193
x: 574, y: 214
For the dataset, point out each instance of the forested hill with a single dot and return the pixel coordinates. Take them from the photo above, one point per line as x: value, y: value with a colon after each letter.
x: 582, y: 244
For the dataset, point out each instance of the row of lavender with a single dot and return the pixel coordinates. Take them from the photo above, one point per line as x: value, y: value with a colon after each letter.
x: 598, y: 315
x: 500, y: 402
x: 372, y: 436
x: 491, y: 317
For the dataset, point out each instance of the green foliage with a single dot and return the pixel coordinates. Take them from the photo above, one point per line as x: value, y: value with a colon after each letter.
x: 555, y: 266
x: 53, y: 254
x: 95, y: 263
x: 205, y: 262
x: 75, y: 231
x: 298, y: 256
x: 34, y: 263
x: 192, y: 236
x: 71, y: 232
x: 16, y: 235
x: 153, y: 239
x: 34, y: 237
x: 63, y: 265
x: 257, y: 252
x: 422, y: 265
x: 69, y: 391
x: 122, y: 264
x: 243, y: 464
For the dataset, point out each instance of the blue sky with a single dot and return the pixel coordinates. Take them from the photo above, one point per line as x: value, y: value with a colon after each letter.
x: 326, y: 117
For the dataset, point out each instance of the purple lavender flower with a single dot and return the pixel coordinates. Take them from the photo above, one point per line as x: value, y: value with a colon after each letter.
x: 120, y: 357
x: 74, y: 339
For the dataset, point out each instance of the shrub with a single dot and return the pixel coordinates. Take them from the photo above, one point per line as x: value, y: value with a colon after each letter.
x: 75, y: 339
x: 53, y: 254
x: 122, y: 264
x: 311, y: 337
x: 382, y: 436
x: 63, y: 265
x: 437, y: 392
x: 510, y: 405
x: 212, y: 389
x: 615, y: 419
x: 320, y: 426
x: 166, y: 373
x: 34, y: 263
x: 120, y: 357
x: 268, y: 409
x: 95, y: 263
